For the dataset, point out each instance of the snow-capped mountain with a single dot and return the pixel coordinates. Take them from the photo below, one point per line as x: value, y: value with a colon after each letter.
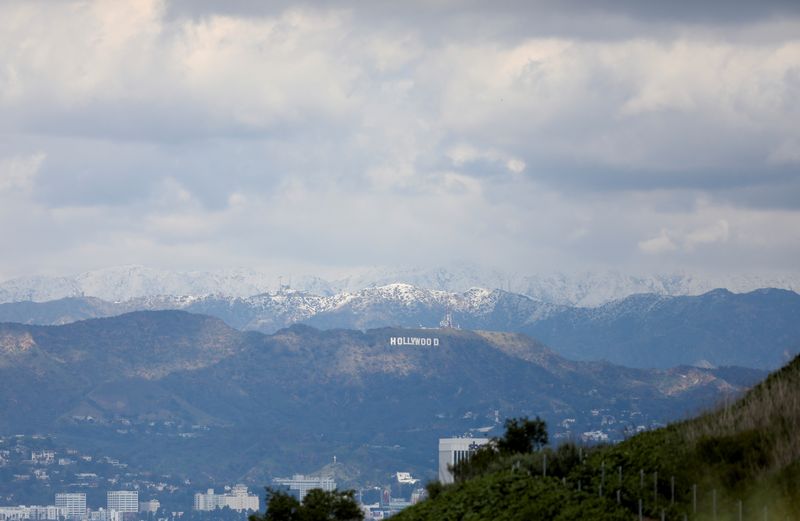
x: 392, y: 304
x: 123, y: 283
x: 756, y: 329
x: 120, y: 284
x: 586, y: 289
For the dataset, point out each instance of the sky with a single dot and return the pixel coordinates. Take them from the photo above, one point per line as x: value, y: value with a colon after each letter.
x: 326, y: 137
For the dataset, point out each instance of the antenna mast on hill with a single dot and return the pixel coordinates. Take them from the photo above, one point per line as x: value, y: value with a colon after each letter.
x: 283, y: 288
x: 447, y: 321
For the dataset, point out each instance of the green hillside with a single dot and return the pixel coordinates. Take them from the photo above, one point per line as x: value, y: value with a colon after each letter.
x: 740, y: 461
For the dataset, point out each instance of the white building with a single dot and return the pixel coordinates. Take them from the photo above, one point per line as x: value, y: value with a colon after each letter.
x: 241, y: 499
x: 104, y: 515
x: 405, y: 478
x: 43, y: 457
x: 455, y: 450
x: 33, y: 512
x: 73, y: 503
x: 149, y: 506
x: 301, y: 484
x: 207, y: 501
x: 238, y: 499
x: 123, y: 500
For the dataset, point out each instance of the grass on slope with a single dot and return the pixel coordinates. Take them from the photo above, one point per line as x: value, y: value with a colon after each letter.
x: 513, y: 495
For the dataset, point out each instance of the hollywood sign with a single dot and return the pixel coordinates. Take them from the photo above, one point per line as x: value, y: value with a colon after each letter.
x: 413, y: 341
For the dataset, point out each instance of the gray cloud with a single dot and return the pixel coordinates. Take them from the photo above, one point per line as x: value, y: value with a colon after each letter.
x: 525, y: 135
x: 712, y: 12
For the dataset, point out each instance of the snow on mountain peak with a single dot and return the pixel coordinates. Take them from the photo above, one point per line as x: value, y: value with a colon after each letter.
x: 589, y: 289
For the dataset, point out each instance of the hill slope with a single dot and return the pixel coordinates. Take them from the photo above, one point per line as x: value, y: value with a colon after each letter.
x: 741, y: 461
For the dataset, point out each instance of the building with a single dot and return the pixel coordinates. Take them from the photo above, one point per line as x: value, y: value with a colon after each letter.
x: 36, y: 513
x: 151, y: 506
x: 208, y: 501
x: 238, y: 499
x: 43, y: 457
x: 105, y: 515
x: 73, y: 503
x: 122, y: 500
x: 405, y: 478
x: 299, y: 485
x: 241, y: 499
x: 453, y: 451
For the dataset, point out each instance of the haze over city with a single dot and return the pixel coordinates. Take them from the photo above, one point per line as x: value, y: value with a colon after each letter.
x: 323, y: 138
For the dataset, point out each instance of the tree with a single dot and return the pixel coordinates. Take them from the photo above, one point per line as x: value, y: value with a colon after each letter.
x: 317, y: 505
x: 522, y: 436
x: 280, y: 507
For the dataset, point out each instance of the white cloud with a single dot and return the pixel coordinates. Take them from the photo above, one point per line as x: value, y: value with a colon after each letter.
x: 18, y: 173
x: 716, y: 232
x: 463, y: 154
x: 672, y: 240
x: 659, y: 244
x: 516, y: 166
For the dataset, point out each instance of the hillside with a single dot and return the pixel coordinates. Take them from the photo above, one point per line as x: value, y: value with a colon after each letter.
x: 741, y: 461
x: 186, y: 393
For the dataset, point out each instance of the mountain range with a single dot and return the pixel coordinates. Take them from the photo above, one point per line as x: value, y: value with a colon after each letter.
x: 123, y: 283
x: 758, y: 329
x: 184, y: 393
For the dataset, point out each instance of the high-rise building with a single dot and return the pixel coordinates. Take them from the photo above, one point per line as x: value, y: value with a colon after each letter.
x: 122, y: 500
x: 300, y: 484
x: 453, y: 451
x: 73, y: 503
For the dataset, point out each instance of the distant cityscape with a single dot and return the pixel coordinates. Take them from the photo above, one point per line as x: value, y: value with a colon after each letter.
x: 28, y: 468
x: 136, y: 496
x: 72, y: 506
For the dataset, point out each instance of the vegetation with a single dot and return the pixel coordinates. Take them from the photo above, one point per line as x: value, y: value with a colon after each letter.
x: 741, y: 461
x: 317, y: 505
x: 523, y: 436
x: 513, y: 495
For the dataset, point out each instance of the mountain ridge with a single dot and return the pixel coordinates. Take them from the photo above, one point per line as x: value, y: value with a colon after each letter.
x: 122, y: 283
x: 231, y: 404
x: 756, y: 329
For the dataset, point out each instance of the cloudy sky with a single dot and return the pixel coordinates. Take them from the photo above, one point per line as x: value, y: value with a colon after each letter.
x: 326, y: 137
